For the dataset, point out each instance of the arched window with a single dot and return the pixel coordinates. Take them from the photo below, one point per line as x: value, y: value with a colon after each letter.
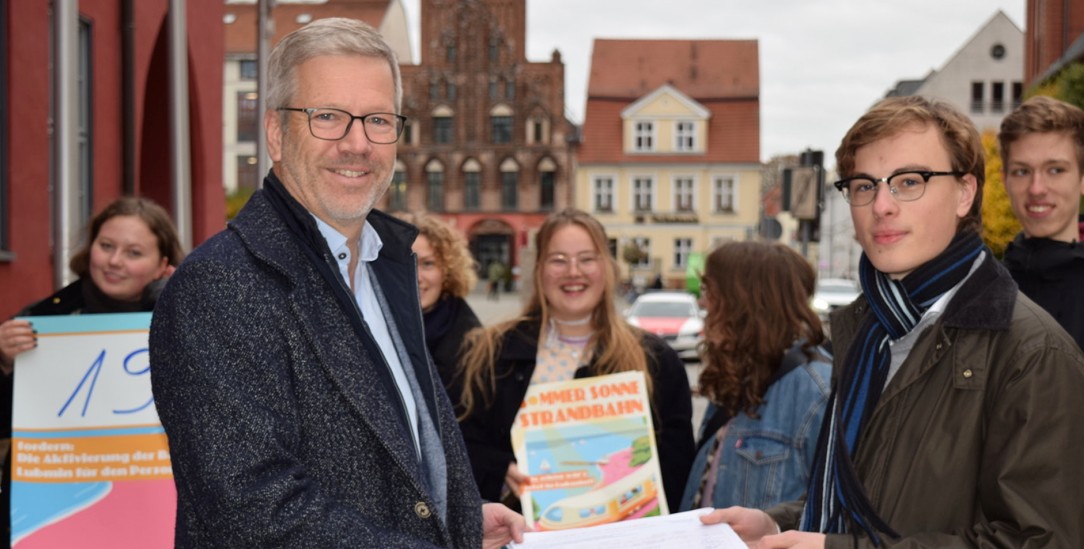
x: 397, y: 192
x: 509, y: 185
x: 538, y: 129
x: 443, y: 125
x: 500, y: 121
x: 547, y: 181
x: 434, y: 186
x: 472, y: 185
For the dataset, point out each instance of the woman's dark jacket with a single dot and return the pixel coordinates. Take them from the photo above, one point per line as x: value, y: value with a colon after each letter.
x: 446, y: 327
x: 487, y: 431
x: 79, y: 297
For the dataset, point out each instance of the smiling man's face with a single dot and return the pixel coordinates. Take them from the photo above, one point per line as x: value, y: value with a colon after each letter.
x: 337, y: 181
x: 1044, y: 183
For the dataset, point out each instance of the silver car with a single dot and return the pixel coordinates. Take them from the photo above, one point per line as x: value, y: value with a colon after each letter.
x: 833, y: 293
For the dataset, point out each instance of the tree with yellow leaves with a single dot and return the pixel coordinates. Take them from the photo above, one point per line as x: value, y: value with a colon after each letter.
x: 999, y: 223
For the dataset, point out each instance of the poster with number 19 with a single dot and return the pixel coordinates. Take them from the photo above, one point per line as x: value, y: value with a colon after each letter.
x: 89, y: 459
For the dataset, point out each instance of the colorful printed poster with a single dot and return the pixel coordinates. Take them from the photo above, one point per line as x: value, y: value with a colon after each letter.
x: 588, y: 446
x: 90, y: 462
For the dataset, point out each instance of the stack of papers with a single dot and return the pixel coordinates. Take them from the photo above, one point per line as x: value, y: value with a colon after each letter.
x: 678, y: 531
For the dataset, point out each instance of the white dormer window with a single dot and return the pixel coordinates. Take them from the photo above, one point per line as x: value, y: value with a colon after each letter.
x: 665, y: 121
x: 685, y: 136
x: 645, y: 136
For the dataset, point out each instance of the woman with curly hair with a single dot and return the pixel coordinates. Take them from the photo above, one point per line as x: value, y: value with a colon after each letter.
x: 764, y: 375
x: 445, y: 277
x: 569, y: 328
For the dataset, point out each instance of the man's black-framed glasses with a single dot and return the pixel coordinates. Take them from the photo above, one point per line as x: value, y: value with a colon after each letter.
x: 329, y: 124
x: 860, y: 190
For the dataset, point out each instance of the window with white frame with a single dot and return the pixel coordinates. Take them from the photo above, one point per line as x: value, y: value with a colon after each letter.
x: 645, y: 136
x: 410, y: 129
x: 722, y: 194
x: 644, y: 244
x: 249, y: 69
x: 643, y: 194
x: 683, y: 194
x: 685, y: 136
x: 682, y: 248
x: 538, y: 131
x: 604, y: 194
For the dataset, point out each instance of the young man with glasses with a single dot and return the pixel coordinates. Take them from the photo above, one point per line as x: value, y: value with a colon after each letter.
x: 954, y: 419
x: 1042, y: 154
x: 290, y: 368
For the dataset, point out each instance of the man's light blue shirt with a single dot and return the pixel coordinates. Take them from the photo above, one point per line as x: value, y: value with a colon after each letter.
x: 369, y: 248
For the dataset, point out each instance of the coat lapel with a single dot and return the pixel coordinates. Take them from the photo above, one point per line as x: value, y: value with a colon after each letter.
x: 344, y: 356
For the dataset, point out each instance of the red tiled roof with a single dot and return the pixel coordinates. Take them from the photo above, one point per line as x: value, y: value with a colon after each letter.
x: 721, y: 75
x: 701, y: 69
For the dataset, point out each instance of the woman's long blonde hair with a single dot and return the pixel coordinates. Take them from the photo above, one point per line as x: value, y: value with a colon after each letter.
x: 618, y: 342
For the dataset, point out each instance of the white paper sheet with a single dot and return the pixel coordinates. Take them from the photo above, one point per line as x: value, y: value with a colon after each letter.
x: 678, y: 531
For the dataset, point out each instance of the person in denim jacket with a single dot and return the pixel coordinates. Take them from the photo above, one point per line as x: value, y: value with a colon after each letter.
x: 765, y: 376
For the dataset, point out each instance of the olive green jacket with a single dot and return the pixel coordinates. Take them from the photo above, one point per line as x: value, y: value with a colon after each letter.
x: 978, y: 441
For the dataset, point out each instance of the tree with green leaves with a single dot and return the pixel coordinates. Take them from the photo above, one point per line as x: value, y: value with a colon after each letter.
x: 1070, y: 85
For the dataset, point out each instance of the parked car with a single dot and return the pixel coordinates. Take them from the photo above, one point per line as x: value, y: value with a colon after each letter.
x: 832, y: 293
x: 673, y: 316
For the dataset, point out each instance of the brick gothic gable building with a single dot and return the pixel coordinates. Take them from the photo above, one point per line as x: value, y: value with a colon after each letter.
x: 487, y: 144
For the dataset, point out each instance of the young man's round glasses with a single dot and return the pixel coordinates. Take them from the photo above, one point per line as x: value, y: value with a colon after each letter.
x: 860, y: 190
x: 382, y: 128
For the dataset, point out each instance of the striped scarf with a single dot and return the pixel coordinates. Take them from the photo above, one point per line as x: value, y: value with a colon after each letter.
x: 836, y: 496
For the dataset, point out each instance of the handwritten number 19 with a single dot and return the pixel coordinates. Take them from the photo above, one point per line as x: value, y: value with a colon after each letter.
x: 89, y: 381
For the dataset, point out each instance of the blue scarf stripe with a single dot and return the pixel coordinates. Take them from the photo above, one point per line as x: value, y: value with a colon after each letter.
x: 904, y: 313
x: 853, y: 427
x: 820, y: 492
x: 869, y: 346
x: 836, y: 499
x: 967, y: 259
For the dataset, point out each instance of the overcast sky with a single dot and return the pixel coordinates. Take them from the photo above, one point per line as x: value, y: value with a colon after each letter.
x: 822, y: 62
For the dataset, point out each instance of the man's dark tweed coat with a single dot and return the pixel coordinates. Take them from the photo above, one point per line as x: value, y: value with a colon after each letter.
x: 283, y: 429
